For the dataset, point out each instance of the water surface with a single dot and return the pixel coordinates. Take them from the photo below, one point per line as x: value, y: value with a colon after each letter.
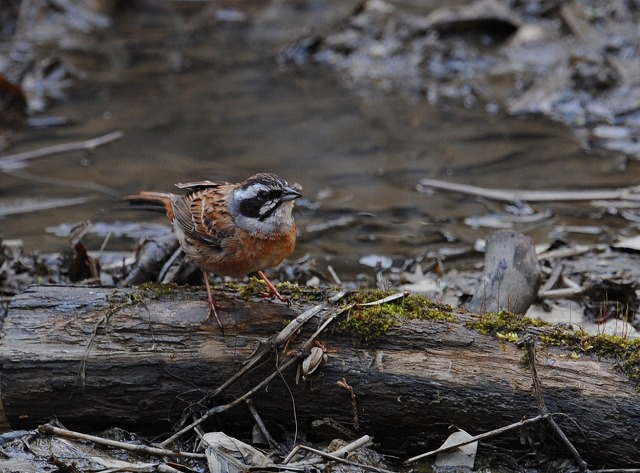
x: 214, y: 104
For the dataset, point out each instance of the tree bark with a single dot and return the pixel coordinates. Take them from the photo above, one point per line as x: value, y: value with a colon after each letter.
x: 135, y: 358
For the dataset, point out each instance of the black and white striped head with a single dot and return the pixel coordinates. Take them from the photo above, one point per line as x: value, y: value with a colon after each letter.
x: 263, y: 204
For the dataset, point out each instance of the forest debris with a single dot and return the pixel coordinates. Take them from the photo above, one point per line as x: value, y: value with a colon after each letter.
x: 317, y: 356
x: 329, y: 429
x: 342, y: 383
x: 506, y: 221
x: 81, y: 266
x: 151, y: 255
x: 336, y: 458
x: 376, y: 261
x: 567, y: 252
x: 227, y: 454
x: 13, y: 111
x: 632, y: 243
x: 463, y: 456
x: 511, y: 275
x: 49, y: 429
x: 477, y: 438
x: 261, y: 434
x: 484, y: 15
x: 575, y: 18
x: 49, y: 79
x: 610, y: 299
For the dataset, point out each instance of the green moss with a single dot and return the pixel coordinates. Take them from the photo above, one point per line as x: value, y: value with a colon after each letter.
x: 369, y: 323
x: 623, y: 350
x: 256, y: 287
x: 156, y: 288
x: 139, y: 294
x: 506, y: 327
x: 503, y: 322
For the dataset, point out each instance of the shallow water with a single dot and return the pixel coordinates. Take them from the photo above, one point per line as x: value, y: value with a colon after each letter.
x: 215, y: 104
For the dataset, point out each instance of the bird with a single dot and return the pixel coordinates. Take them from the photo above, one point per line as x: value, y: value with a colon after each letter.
x: 231, y: 229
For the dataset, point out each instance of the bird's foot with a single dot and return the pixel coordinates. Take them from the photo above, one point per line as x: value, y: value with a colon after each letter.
x: 273, y: 292
x: 213, y: 312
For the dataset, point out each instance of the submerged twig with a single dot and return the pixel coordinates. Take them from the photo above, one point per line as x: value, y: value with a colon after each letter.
x: 509, y: 195
x: 31, y: 205
x: 8, y: 162
x: 54, y: 181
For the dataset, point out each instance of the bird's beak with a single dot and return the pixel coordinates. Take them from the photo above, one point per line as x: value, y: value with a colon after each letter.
x: 291, y: 194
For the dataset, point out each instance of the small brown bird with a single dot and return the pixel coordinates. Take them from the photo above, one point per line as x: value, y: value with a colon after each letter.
x: 231, y: 229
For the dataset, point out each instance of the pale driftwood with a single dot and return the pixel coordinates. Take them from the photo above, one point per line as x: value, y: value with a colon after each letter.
x: 512, y: 195
x: 97, y: 357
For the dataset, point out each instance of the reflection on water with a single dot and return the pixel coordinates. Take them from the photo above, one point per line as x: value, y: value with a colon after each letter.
x: 215, y: 105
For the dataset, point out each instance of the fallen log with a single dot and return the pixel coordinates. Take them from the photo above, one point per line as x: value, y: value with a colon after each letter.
x: 141, y: 358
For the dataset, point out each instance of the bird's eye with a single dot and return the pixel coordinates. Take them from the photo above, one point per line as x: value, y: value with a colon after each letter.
x: 263, y: 196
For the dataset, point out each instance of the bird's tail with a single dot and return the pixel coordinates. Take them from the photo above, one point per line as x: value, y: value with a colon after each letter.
x: 149, y: 200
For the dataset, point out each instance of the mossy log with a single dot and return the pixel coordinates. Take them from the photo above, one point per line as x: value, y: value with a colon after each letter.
x: 136, y: 358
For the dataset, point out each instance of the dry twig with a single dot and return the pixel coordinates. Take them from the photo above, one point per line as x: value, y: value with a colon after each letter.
x: 477, y: 438
x: 49, y: 429
x: 354, y: 406
x: 530, y: 343
x: 261, y: 425
x: 333, y: 457
x: 258, y: 358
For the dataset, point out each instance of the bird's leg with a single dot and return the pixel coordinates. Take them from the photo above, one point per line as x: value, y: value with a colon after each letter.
x: 212, y: 301
x: 273, y: 292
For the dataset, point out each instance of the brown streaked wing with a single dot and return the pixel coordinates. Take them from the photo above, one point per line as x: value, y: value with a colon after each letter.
x: 183, y: 216
x: 215, y: 216
x: 198, y: 185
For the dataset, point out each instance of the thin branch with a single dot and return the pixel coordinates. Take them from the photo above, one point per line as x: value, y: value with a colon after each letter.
x: 331, y: 456
x: 384, y: 300
x: 226, y: 407
x: 8, y: 162
x: 507, y: 195
x: 341, y: 452
x: 333, y: 313
x: 261, y: 352
x: 49, y: 429
x: 529, y: 343
x: 261, y: 425
x: 476, y: 438
x: 54, y: 181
